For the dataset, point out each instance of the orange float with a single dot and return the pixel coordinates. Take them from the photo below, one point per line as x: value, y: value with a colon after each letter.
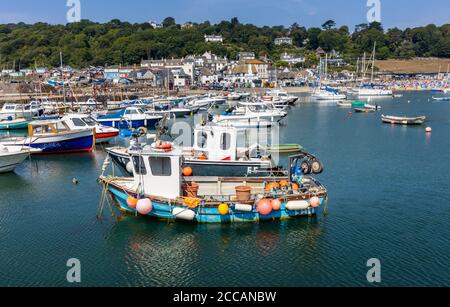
x: 295, y: 186
x: 272, y: 186
x: 132, y: 202
x: 284, y: 183
x: 187, y: 171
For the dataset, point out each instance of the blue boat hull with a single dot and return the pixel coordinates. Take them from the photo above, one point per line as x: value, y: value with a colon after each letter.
x: 73, y: 145
x: 211, y: 215
x: 135, y: 124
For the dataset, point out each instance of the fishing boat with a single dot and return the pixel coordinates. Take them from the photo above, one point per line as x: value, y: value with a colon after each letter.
x: 91, y: 104
x: 215, y: 152
x: 207, y: 102
x: 234, y: 96
x: 328, y: 93
x: 28, y: 111
x: 12, y: 156
x: 54, y: 136
x: 403, y: 120
x: 103, y: 134
x: 13, y: 124
x: 252, y: 116
x: 283, y: 95
x: 160, y: 190
x: 54, y: 107
x: 130, y: 118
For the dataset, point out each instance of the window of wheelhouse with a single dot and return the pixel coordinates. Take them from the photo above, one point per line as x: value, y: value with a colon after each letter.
x: 78, y: 122
x: 202, y: 139
x: 160, y: 166
x: 139, y: 165
x: 90, y: 121
x: 225, y: 141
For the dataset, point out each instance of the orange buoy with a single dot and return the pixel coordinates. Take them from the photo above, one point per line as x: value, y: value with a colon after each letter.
x: 272, y: 186
x: 276, y: 204
x: 314, y: 202
x: 264, y: 207
x: 284, y: 183
x: 187, y: 171
x: 295, y: 186
x: 202, y: 157
x: 132, y: 202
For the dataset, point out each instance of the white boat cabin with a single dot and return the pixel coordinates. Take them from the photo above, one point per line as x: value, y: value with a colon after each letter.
x: 217, y: 143
x: 158, y: 173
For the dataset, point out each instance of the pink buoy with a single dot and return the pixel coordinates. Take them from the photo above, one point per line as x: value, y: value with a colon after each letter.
x: 264, y: 207
x: 314, y: 202
x: 276, y: 204
x: 144, y: 206
x: 428, y: 130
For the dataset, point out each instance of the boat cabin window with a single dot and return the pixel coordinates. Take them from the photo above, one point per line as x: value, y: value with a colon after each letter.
x: 160, y: 166
x: 225, y: 141
x: 90, y: 121
x: 202, y: 139
x: 131, y: 112
x: 139, y: 166
x: 10, y: 107
x: 78, y: 122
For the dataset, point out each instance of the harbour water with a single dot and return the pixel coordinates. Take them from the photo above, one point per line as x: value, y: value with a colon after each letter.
x: 389, y: 199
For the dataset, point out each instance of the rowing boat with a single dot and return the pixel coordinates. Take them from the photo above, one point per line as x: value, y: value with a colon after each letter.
x: 285, y: 148
x: 403, y: 120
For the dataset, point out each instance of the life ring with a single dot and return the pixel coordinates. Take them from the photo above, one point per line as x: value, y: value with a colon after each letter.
x: 164, y: 146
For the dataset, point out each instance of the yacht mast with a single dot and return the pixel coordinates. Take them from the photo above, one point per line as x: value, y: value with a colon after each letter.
x: 373, y: 61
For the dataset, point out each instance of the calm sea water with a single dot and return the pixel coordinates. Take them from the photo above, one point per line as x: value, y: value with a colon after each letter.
x: 389, y: 199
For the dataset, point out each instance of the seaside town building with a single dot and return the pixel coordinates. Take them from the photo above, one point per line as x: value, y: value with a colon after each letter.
x: 283, y: 41
x: 213, y: 38
x: 292, y: 59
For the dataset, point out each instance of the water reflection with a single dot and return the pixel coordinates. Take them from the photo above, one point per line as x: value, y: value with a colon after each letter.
x: 168, y: 254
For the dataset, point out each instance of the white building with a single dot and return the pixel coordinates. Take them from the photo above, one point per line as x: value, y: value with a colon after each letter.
x: 244, y: 55
x: 214, y: 38
x: 283, y: 41
x: 292, y: 59
x: 155, y: 25
x: 187, y: 66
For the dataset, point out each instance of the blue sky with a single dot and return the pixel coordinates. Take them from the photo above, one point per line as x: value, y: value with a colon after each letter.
x: 395, y: 13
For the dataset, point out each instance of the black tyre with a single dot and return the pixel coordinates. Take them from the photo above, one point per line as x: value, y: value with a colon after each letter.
x: 142, y: 130
x: 316, y: 166
x: 306, y: 167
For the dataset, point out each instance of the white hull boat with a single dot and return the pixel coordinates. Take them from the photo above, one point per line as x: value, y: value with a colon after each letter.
x: 11, y: 157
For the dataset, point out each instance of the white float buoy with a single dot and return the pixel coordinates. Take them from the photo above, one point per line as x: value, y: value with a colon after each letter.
x: 428, y: 130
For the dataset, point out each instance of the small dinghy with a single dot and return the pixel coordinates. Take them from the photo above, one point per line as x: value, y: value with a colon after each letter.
x: 364, y: 110
x: 285, y: 148
x: 441, y: 98
x: 371, y: 106
x: 358, y: 104
x: 344, y: 104
x: 395, y: 120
